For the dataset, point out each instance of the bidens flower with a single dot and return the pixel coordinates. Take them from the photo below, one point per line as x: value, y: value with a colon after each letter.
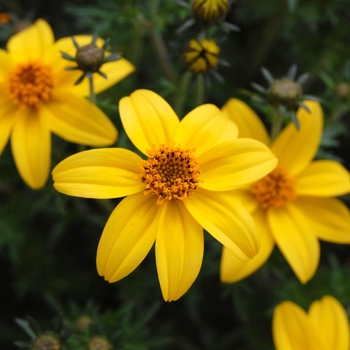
x: 185, y: 184
x: 324, y: 327
x: 38, y: 97
x: 293, y: 205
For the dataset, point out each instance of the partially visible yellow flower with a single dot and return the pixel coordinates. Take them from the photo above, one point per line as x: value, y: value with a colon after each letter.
x: 324, y: 327
x: 293, y: 205
x: 38, y: 97
x: 184, y: 185
x: 209, y: 11
x: 201, y: 56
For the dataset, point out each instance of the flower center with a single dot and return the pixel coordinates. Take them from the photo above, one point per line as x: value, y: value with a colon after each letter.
x: 274, y: 189
x: 30, y: 84
x: 170, y: 173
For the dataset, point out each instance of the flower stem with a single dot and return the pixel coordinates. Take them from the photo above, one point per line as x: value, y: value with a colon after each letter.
x: 159, y: 44
x: 199, y: 90
x: 276, y: 126
x: 92, y: 95
x: 182, y: 93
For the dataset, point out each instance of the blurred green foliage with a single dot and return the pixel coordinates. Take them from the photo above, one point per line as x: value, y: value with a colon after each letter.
x: 48, y: 241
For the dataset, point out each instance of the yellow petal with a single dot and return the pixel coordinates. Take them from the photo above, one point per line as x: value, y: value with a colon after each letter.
x: 292, y: 329
x: 226, y: 219
x: 234, y: 164
x: 323, y: 178
x: 247, y: 199
x: 31, y: 43
x: 296, y: 148
x: 6, y: 65
x: 115, y: 71
x: 249, y: 124
x: 147, y: 119
x: 295, y: 239
x: 78, y: 120
x: 179, y: 250
x: 31, y: 147
x: 328, y: 218
x: 203, y: 128
x: 232, y: 269
x: 127, y: 237
x: 99, y: 173
x: 331, y: 322
x: 8, y: 117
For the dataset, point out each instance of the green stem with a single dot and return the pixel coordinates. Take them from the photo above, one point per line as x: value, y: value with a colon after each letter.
x: 199, y: 90
x: 92, y: 95
x: 159, y: 43
x: 182, y: 93
x: 276, y: 126
x: 337, y: 113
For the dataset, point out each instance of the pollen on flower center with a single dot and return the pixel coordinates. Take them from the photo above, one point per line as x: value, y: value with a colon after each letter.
x: 274, y: 189
x: 170, y: 173
x: 30, y: 84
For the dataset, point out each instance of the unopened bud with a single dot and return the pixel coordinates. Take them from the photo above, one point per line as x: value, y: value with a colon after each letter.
x: 201, y: 56
x: 99, y: 343
x: 83, y: 322
x: 342, y: 91
x: 89, y: 58
x: 285, y: 92
x: 209, y: 11
x: 46, y: 341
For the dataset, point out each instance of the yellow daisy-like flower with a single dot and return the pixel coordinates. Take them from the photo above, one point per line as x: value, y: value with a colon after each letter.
x: 324, y: 327
x: 201, y: 56
x: 184, y: 185
x: 38, y: 97
x: 293, y: 205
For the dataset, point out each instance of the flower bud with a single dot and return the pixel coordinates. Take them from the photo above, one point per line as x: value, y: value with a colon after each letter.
x: 342, y: 91
x: 285, y: 92
x: 209, y: 11
x: 46, y: 341
x: 89, y: 58
x: 83, y: 322
x: 99, y: 343
x: 201, y: 56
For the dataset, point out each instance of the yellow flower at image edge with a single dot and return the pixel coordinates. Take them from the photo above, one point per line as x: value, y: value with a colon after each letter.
x: 324, y: 327
x: 293, y: 205
x: 38, y: 97
x: 185, y: 184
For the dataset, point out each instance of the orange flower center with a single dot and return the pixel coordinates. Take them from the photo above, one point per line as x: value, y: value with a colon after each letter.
x: 30, y: 84
x: 170, y: 173
x: 274, y: 189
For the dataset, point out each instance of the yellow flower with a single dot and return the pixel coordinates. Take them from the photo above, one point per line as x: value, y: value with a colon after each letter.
x: 38, y: 97
x: 209, y: 11
x: 324, y: 327
x: 201, y: 56
x: 185, y: 184
x: 292, y: 206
